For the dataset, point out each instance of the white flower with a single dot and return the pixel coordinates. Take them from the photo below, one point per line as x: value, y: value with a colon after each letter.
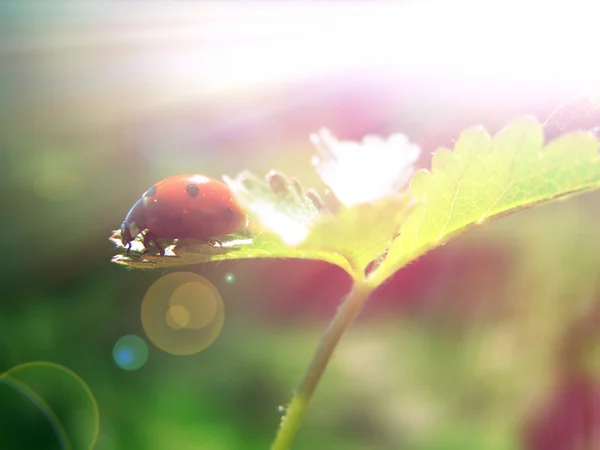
x: 355, y: 172
x: 366, y: 171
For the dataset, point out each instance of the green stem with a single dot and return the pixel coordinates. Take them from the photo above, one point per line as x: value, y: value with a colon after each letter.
x: 345, y: 314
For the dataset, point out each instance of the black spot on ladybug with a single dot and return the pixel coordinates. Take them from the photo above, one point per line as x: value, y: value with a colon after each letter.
x: 150, y: 192
x: 192, y: 190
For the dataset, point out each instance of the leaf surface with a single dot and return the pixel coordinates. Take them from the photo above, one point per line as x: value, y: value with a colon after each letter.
x: 484, y: 178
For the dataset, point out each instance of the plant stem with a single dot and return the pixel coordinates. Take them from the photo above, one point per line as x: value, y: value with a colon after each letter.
x: 345, y: 314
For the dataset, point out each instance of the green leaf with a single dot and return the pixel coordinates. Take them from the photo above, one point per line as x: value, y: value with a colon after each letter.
x: 485, y: 178
x: 357, y: 234
x: 360, y: 233
x: 189, y: 252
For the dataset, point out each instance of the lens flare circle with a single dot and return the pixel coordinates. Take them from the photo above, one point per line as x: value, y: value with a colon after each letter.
x: 130, y: 352
x: 229, y: 278
x: 177, y: 317
x: 182, y: 313
x: 38, y: 402
x: 46, y: 383
x: 196, y: 299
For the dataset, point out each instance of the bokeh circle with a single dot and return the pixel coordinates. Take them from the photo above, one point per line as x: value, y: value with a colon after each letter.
x: 130, y: 352
x: 229, y: 278
x: 59, y: 394
x: 182, y: 313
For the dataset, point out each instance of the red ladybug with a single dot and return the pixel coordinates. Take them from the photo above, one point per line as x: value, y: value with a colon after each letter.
x: 183, y: 206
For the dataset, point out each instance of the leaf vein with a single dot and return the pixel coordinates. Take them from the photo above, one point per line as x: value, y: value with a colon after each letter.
x: 416, y: 239
x: 453, y: 202
x: 509, y: 184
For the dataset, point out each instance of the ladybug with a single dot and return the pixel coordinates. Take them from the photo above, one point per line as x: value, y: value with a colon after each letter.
x: 183, y: 206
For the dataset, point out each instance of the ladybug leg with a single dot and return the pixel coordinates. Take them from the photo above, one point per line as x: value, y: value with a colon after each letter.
x: 150, y: 238
x: 128, y: 248
x: 147, y: 242
x: 213, y: 242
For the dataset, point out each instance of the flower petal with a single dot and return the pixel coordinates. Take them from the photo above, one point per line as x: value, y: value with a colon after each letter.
x: 367, y: 171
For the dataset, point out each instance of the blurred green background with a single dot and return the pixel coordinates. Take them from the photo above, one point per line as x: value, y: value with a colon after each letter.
x: 490, y: 342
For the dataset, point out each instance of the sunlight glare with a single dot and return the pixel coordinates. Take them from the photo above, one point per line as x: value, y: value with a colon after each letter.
x: 495, y: 40
x: 291, y: 231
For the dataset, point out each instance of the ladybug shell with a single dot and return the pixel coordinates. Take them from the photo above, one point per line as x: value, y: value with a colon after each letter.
x: 191, y: 206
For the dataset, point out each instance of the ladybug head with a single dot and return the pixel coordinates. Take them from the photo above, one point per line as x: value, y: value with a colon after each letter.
x: 128, y: 232
x: 132, y: 224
